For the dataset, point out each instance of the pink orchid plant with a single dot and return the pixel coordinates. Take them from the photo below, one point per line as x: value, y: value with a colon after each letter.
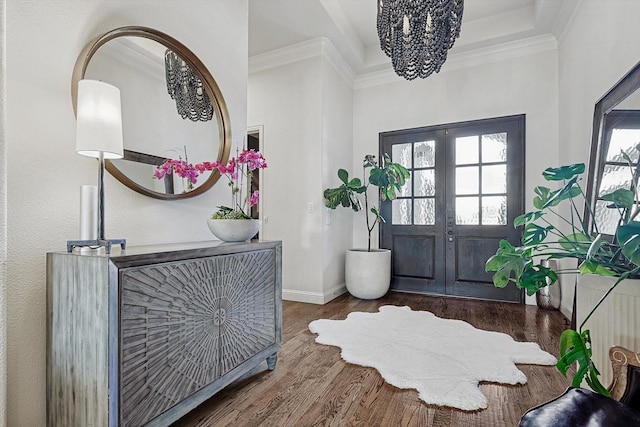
x: 238, y: 171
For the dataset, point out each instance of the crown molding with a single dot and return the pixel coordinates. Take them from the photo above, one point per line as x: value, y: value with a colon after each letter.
x: 472, y: 58
x: 320, y: 46
x: 565, y: 18
x: 323, y: 47
x: 338, y: 62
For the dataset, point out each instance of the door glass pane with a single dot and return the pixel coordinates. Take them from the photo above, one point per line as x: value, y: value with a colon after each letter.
x: 401, y: 153
x: 467, y: 180
x: 494, y: 210
x: 606, y: 218
x: 424, y: 155
x: 614, y: 177
x: 494, y: 179
x: 467, y: 211
x: 494, y: 147
x: 425, y: 211
x: 401, y: 212
x: 405, y: 190
x: 425, y: 183
x: 623, y: 140
x: 467, y: 150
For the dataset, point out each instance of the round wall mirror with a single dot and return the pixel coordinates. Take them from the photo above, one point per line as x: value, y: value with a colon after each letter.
x: 172, y: 108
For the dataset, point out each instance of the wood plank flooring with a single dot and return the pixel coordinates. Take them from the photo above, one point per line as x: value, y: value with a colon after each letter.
x: 313, y: 386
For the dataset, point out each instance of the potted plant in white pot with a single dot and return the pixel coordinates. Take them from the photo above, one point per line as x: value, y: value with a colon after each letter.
x: 368, y: 272
x: 230, y: 224
x: 617, y: 256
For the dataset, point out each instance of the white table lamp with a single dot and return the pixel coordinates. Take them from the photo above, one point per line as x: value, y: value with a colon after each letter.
x: 99, y: 135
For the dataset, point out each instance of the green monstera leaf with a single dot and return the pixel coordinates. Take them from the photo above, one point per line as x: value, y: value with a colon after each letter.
x: 563, y: 172
x: 536, y: 277
x: 576, y: 242
x: 628, y: 236
x: 576, y: 348
x: 527, y: 218
x: 621, y: 198
x: 506, y: 262
x: 534, y: 234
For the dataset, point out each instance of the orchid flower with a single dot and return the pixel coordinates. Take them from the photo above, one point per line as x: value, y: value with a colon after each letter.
x: 236, y: 170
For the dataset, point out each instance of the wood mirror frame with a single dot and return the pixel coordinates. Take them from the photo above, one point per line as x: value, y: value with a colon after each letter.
x: 210, y: 86
x: 624, y: 88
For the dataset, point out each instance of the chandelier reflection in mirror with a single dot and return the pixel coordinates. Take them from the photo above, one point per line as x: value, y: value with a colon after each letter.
x: 417, y: 34
x: 186, y: 89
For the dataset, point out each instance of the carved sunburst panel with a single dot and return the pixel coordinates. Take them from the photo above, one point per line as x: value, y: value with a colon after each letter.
x: 186, y: 323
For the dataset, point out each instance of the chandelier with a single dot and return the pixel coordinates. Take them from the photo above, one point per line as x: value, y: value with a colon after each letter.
x: 417, y: 34
x: 186, y: 89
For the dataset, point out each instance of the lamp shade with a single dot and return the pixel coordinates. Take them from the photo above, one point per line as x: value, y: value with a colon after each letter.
x: 99, y: 120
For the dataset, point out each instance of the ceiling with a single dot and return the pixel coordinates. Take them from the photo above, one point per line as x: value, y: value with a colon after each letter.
x: 351, y: 26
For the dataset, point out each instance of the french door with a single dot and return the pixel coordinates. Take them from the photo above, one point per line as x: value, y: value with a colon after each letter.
x: 465, y: 190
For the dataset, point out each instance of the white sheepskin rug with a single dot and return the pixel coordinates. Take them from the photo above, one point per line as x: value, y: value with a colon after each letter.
x: 441, y: 358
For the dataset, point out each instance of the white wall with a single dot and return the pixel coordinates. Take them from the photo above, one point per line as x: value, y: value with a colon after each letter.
x: 599, y: 47
x: 337, y: 137
x: 305, y: 107
x: 3, y: 222
x: 286, y: 101
x: 43, y: 40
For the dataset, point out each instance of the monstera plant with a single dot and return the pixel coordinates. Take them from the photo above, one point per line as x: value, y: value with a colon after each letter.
x: 542, y: 239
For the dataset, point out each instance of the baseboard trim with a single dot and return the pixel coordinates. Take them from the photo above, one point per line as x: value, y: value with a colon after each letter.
x: 313, y: 297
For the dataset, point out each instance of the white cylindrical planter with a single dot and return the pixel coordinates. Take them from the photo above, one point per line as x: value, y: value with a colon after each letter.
x: 368, y: 274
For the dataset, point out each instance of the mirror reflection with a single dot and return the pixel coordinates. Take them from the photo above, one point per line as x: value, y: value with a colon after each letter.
x: 169, y: 110
x: 614, y: 162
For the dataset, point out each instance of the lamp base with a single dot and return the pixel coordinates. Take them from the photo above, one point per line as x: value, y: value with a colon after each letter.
x: 100, y: 242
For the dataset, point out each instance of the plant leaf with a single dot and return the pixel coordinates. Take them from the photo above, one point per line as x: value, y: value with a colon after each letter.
x: 628, y: 236
x: 543, y: 194
x: 594, y: 267
x: 576, y: 242
x: 389, y: 177
x: 535, y: 277
x: 379, y: 217
x: 343, y: 175
x: 575, y: 347
x: 581, y: 353
x: 527, y: 217
x: 621, y: 198
x: 506, y: 260
x: 534, y: 234
x: 354, y: 183
x: 563, y: 172
x: 568, y: 191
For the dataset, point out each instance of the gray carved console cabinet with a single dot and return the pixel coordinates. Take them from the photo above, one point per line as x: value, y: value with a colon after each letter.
x: 143, y: 336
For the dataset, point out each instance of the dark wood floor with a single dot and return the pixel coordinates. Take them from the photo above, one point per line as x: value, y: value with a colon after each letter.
x: 313, y: 386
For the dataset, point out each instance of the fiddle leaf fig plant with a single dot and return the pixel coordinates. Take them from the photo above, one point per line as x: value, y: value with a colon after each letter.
x: 388, y: 176
x: 595, y: 253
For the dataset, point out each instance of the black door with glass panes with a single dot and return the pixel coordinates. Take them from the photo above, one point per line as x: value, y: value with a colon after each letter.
x: 466, y: 188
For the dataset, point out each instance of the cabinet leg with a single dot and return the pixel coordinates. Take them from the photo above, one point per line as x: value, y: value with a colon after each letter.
x: 271, y: 361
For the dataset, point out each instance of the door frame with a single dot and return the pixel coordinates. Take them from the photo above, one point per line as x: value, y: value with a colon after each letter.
x: 517, y: 206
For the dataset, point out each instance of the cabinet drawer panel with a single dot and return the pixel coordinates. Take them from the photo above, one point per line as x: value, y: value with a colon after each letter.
x: 184, y: 324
